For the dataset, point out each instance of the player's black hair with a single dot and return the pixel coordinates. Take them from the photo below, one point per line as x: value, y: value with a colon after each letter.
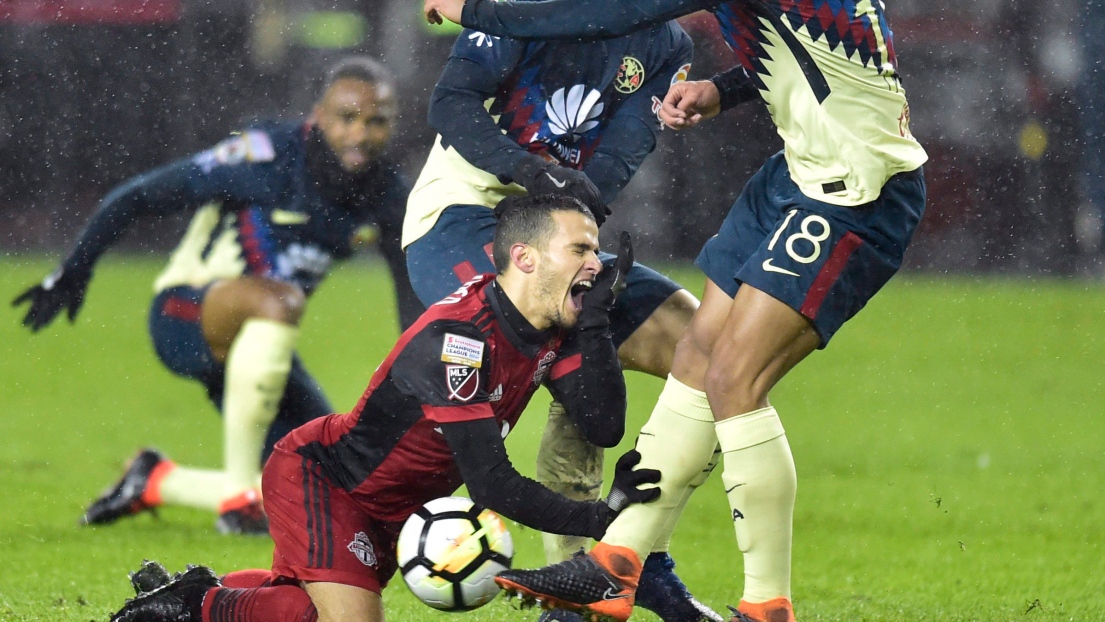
x: 359, y: 67
x: 528, y: 219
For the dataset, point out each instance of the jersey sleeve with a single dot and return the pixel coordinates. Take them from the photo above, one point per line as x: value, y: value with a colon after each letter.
x: 476, y: 67
x: 735, y: 87
x: 445, y: 366
x: 587, y: 379
x: 222, y: 173
x: 632, y: 132
x: 573, y: 19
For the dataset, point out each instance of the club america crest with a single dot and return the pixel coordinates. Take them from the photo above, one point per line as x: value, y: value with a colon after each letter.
x: 631, y: 75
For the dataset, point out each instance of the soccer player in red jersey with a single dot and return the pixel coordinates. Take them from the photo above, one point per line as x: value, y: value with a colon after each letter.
x: 433, y: 418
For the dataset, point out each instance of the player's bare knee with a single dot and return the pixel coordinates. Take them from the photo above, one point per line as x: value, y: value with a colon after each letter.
x: 282, y: 303
x: 733, y: 387
x: 651, y: 347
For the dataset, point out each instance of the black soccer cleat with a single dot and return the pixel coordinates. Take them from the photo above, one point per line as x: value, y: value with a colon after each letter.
x: 125, y: 497
x: 662, y: 592
x: 600, y: 585
x: 249, y: 520
x: 180, y: 600
x: 149, y: 577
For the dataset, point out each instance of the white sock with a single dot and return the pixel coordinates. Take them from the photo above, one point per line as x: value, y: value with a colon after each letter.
x: 257, y: 368
x: 760, y: 483
x: 678, y: 440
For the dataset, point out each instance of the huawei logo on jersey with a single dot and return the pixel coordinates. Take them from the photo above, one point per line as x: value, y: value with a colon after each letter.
x: 573, y: 114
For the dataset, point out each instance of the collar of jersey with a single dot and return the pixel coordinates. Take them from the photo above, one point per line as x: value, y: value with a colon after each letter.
x: 522, y: 335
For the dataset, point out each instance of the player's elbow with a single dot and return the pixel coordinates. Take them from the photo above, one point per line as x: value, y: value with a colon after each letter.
x: 604, y: 430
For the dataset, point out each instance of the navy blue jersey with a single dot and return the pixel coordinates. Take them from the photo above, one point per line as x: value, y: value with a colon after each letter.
x: 271, y: 201
x: 827, y: 70
x: 587, y: 106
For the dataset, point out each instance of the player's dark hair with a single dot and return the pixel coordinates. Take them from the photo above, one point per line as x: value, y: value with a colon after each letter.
x: 361, y: 68
x: 529, y: 220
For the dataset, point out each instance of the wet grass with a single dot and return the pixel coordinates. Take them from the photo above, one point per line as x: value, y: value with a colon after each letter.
x: 948, y: 445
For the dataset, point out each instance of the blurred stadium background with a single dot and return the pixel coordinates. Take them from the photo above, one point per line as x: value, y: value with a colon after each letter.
x: 94, y: 91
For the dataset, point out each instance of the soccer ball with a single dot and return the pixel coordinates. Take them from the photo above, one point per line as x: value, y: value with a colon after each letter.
x: 450, y: 551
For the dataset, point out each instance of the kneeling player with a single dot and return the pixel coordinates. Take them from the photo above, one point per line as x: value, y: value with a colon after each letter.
x: 434, y: 417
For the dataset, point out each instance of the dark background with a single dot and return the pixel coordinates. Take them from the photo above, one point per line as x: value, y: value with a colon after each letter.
x: 94, y: 91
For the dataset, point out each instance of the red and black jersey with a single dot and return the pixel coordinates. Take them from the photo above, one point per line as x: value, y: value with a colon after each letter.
x: 472, y: 357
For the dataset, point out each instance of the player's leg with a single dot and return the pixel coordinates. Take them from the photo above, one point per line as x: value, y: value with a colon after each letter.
x: 345, y: 603
x: 251, y: 325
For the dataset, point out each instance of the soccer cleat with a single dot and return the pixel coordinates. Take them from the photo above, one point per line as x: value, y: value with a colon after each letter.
x: 243, y: 514
x: 774, y: 610
x: 599, y: 584
x: 663, y: 593
x: 180, y: 600
x: 126, y: 497
x: 149, y: 577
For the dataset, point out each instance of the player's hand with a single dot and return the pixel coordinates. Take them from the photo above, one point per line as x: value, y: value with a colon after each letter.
x: 540, y: 176
x: 609, y: 284
x: 435, y: 10
x: 688, y: 103
x: 61, y: 289
x: 626, y: 489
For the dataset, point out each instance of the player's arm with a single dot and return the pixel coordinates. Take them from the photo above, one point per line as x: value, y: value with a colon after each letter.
x: 632, y: 131
x: 217, y: 174
x: 572, y: 19
x: 587, y: 376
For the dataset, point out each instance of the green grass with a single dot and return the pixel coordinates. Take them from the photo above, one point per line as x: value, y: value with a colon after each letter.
x: 948, y: 445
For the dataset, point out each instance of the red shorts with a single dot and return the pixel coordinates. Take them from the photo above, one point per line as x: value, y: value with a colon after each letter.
x: 320, y: 533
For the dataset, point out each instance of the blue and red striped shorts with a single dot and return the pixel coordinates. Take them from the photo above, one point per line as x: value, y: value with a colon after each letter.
x: 824, y: 261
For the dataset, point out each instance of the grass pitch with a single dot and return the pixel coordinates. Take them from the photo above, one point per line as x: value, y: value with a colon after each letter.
x: 948, y: 446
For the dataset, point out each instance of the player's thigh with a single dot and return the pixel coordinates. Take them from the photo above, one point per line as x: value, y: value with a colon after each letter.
x: 228, y: 303
x: 319, y: 533
x: 651, y: 346
x: 457, y: 248
x: 646, y: 291
x: 692, y: 354
x: 174, y: 325
x: 823, y: 261
x: 336, y: 602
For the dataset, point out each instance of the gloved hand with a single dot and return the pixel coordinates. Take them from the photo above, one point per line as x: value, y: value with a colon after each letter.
x: 60, y: 289
x: 540, y: 176
x: 626, y: 488
x: 609, y: 284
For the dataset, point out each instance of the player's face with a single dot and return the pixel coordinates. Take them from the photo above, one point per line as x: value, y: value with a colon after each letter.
x: 356, y: 119
x: 568, y: 267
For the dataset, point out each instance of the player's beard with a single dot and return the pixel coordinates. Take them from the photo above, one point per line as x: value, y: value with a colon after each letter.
x: 550, y: 292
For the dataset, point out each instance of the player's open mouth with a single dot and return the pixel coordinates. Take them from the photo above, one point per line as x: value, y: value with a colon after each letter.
x: 577, y: 292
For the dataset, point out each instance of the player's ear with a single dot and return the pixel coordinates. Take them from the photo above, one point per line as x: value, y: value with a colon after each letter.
x: 524, y: 257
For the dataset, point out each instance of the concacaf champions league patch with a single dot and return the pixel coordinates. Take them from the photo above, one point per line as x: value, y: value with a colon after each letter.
x: 361, y: 546
x: 463, y: 382
x: 462, y: 350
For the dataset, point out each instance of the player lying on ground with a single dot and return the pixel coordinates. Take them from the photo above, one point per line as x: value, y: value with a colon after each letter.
x: 564, y: 118
x: 276, y: 205
x: 434, y: 417
x: 812, y: 237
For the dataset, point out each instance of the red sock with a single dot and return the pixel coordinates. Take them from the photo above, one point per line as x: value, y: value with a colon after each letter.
x: 277, y: 603
x: 248, y: 578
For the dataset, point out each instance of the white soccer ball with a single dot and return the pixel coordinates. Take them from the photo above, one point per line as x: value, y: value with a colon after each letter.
x: 450, y: 551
